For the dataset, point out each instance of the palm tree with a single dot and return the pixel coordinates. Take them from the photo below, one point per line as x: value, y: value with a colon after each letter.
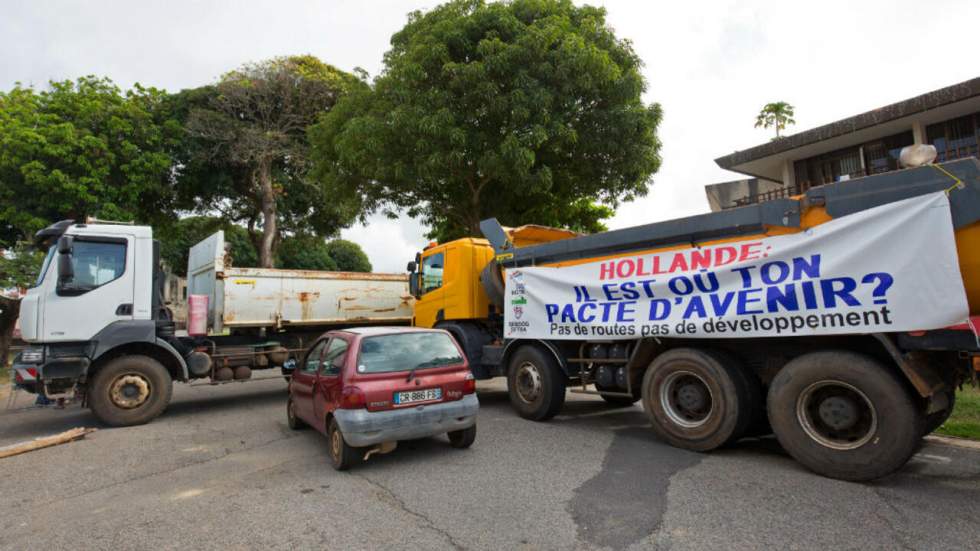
x: 777, y: 114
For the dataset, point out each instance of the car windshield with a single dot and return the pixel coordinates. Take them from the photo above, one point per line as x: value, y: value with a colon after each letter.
x: 406, y: 351
x: 44, y: 266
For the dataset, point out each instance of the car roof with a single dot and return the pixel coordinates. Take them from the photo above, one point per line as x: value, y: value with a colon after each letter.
x: 386, y: 330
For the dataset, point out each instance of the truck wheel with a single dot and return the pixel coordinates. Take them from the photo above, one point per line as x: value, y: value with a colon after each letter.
x: 342, y: 456
x: 292, y: 420
x: 616, y: 400
x: 936, y: 419
x: 844, y: 415
x: 462, y: 439
x: 698, y: 400
x: 130, y: 390
x: 535, y: 383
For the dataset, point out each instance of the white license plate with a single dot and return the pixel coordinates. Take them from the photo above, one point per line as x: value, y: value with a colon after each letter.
x: 418, y: 396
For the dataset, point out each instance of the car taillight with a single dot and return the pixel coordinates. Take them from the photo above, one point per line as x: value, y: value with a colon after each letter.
x: 352, y: 398
x: 469, y: 384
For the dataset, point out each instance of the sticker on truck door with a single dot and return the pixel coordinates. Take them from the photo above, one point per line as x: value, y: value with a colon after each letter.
x: 890, y: 268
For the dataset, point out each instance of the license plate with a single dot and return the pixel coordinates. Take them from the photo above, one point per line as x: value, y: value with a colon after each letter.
x: 418, y: 396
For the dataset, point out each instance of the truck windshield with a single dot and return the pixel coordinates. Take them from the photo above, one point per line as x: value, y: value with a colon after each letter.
x: 44, y: 266
x: 406, y: 351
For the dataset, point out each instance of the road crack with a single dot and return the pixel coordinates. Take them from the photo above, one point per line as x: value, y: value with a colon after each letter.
x: 896, y: 531
x: 399, y: 503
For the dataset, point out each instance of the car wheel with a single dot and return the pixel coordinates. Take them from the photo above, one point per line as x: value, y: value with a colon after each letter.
x: 698, y: 399
x: 292, y: 420
x: 462, y: 439
x: 535, y: 384
x: 130, y: 390
x: 844, y: 415
x: 342, y: 456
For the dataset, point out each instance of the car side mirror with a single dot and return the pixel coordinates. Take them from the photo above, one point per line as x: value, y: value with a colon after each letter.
x: 413, y: 284
x: 411, y: 266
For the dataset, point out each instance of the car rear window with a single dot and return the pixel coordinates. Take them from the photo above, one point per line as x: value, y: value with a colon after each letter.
x: 406, y: 351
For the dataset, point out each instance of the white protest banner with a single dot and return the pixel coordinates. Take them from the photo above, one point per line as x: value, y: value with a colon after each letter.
x: 890, y: 268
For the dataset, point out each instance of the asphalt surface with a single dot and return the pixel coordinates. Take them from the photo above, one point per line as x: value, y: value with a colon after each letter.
x: 220, y: 470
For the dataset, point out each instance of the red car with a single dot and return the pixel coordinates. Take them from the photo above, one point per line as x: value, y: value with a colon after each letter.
x: 367, y: 388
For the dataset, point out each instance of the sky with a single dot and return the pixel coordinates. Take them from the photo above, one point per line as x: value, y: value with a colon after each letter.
x: 711, y: 65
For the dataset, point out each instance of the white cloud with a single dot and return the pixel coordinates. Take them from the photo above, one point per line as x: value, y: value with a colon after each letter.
x: 711, y: 65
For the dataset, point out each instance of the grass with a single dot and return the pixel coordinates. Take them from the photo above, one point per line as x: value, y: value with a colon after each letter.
x: 965, y: 420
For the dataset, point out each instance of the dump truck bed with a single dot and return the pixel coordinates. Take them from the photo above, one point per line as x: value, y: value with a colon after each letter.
x: 274, y: 298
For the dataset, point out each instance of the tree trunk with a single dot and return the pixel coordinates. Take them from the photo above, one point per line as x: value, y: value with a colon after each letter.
x: 268, y: 194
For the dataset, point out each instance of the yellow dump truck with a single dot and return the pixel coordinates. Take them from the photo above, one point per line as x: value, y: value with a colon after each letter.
x: 839, y: 319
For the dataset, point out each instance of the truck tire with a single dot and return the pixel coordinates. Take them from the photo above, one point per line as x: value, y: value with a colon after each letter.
x: 130, y: 390
x: 936, y: 419
x: 535, y: 384
x: 698, y: 399
x: 844, y: 415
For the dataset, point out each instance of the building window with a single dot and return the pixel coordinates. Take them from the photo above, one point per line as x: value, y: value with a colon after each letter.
x: 872, y: 157
x: 955, y: 138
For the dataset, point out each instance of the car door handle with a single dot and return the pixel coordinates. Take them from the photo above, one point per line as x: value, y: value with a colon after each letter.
x: 124, y: 310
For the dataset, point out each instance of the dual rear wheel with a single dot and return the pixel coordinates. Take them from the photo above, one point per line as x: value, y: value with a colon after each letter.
x: 839, y: 413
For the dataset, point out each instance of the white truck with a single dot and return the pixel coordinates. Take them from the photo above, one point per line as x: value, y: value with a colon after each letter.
x: 98, y: 328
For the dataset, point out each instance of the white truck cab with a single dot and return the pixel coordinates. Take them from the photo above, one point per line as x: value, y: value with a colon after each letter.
x: 98, y: 273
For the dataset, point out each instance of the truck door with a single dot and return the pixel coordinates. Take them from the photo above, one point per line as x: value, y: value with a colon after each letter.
x: 326, y: 398
x: 101, y: 291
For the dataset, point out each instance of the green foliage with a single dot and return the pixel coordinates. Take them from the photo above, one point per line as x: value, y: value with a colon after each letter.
x: 526, y: 110
x: 775, y: 115
x: 246, y: 153
x: 965, y: 420
x: 80, y: 149
x: 176, y: 240
x: 305, y: 252
x: 20, y: 266
x: 349, y: 256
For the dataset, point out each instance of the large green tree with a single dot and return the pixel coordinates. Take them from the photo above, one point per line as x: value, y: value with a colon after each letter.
x: 83, y: 148
x: 527, y: 110
x: 247, y: 151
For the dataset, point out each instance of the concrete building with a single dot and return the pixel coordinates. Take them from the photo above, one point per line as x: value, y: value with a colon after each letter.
x: 861, y: 145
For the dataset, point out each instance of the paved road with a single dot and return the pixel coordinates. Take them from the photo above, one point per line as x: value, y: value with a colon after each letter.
x: 221, y: 470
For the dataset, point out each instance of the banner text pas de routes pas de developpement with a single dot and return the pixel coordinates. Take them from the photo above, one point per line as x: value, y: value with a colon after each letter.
x: 889, y: 268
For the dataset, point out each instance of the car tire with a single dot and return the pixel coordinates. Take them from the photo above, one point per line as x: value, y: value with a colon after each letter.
x: 462, y: 439
x: 292, y: 420
x: 535, y: 384
x: 342, y: 456
x: 844, y: 415
x: 698, y: 399
x: 130, y: 390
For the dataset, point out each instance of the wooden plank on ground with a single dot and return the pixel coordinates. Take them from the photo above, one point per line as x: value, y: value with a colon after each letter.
x: 45, y: 442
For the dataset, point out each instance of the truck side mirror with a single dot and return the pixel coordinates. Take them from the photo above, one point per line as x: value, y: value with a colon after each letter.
x: 413, y: 284
x: 411, y: 266
x: 65, y: 243
x: 66, y: 272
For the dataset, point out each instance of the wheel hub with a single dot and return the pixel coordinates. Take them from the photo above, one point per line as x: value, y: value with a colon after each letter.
x: 528, y: 382
x: 129, y: 391
x: 838, y: 412
x: 837, y: 415
x: 335, y: 447
x: 686, y: 399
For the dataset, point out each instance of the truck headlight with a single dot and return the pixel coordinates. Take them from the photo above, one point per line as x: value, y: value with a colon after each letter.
x: 32, y: 355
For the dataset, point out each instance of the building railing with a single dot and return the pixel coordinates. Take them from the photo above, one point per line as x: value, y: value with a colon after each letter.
x: 778, y: 193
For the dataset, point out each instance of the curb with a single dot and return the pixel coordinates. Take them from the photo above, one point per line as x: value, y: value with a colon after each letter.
x: 954, y: 442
